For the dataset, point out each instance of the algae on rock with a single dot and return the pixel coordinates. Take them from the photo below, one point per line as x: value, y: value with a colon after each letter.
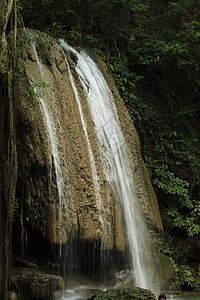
x: 125, y: 294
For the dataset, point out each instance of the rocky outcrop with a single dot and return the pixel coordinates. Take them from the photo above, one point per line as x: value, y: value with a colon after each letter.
x: 165, y: 270
x: 48, y: 75
x: 125, y: 293
x: 56, y: 189
x: 33, y: 284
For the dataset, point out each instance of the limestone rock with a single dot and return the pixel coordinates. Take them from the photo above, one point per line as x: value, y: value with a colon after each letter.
x: 24, y: 263
x: 164, y: 269
x: 65, y: 197
x: 51, y: 82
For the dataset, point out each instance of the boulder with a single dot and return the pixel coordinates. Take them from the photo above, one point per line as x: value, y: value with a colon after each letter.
x: 125, y: 293
x: 34, y: 284
x: 164, y: 269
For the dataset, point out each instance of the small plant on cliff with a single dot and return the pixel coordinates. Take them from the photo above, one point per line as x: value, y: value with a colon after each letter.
x: 17, y: 51
x: 35, y: 211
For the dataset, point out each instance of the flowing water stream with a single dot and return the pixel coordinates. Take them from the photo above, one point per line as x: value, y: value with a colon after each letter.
x: 197, y: 297
x: 114, y: 157
x: 53, y: 136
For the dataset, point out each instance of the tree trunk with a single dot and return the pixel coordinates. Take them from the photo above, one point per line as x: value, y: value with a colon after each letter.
x: 8, y: 165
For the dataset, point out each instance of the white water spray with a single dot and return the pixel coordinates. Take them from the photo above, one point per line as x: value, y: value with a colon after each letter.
x: 114, y: 156
x: 91, y: 156
x: 55, y: 137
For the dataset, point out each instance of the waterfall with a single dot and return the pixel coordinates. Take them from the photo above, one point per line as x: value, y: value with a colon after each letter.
x: 56, y: 144
x: 114, y: 157
x: 51, y: 129
x: 109, y: 184
x: 91, y: 156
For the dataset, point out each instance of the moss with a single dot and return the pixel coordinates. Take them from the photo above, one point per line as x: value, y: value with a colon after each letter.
x: 33, y: 284
x: 43, y: 50
x: 125, y: 293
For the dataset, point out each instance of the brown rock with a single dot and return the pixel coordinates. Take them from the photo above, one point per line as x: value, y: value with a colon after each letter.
x: 32, y: 284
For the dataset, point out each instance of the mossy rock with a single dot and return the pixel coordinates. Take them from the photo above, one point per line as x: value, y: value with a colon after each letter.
x: 31, y: 284
x: 125, y: 294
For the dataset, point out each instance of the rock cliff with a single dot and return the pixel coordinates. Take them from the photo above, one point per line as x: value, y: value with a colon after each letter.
x: 57, y: 199
x: 53, y: 85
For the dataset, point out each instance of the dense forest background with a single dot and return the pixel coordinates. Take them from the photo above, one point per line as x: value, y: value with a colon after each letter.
x: 152, y: 49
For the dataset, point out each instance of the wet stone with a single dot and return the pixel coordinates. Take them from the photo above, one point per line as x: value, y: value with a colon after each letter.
x: 125, y: 293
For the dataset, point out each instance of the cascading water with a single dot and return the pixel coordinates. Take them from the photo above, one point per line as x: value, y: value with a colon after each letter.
x: 55, y: 134
x: 57, y: 146
x: 92, y: 161
x: 114, y: 156
x: 94, y: 173
x: 54, y: 142
x: 110, y: 171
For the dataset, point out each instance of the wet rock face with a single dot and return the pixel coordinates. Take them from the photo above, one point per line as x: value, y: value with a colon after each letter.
x: 62, y: 199
x: 125, y: 293
x: 48, y: 74
x: 164, y: 269
x: 56, y: 139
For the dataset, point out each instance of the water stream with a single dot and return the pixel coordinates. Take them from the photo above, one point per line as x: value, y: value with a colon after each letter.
x: 187, y: 298
x: 114, y: 157
x: 53, y: 136
x: 184, y: 297
x: 91, y: 156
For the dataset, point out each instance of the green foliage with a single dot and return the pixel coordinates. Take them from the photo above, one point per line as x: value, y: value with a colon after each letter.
x: 126, y: 82
x: 175, y: 215
x: 35, y: 211
x: 17, y: 51
x: 185, y: 275
x: 109, y: 22
x: 188, y: 277
x: 171, y: 40
x: 124, y: 78
x: 34, y: 91
x: 167, y: 181
x: 178, y: 220
x: 15, y: 208
x: 164, y: 244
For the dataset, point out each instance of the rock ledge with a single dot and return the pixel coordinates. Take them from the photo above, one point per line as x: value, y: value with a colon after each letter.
x: 34, y: 284
x: 125, y: 294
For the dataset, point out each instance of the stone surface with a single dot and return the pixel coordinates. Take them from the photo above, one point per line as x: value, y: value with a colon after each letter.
x: 48, y: 81
x: 164, y: 269
x: 34, y: 285
x: 125, y: 294
x: 82, y: 212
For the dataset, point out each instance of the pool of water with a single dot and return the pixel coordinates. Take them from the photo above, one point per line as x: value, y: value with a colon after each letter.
x: 78, y: 293
x: 85, y: 291
x: 185, y: 298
